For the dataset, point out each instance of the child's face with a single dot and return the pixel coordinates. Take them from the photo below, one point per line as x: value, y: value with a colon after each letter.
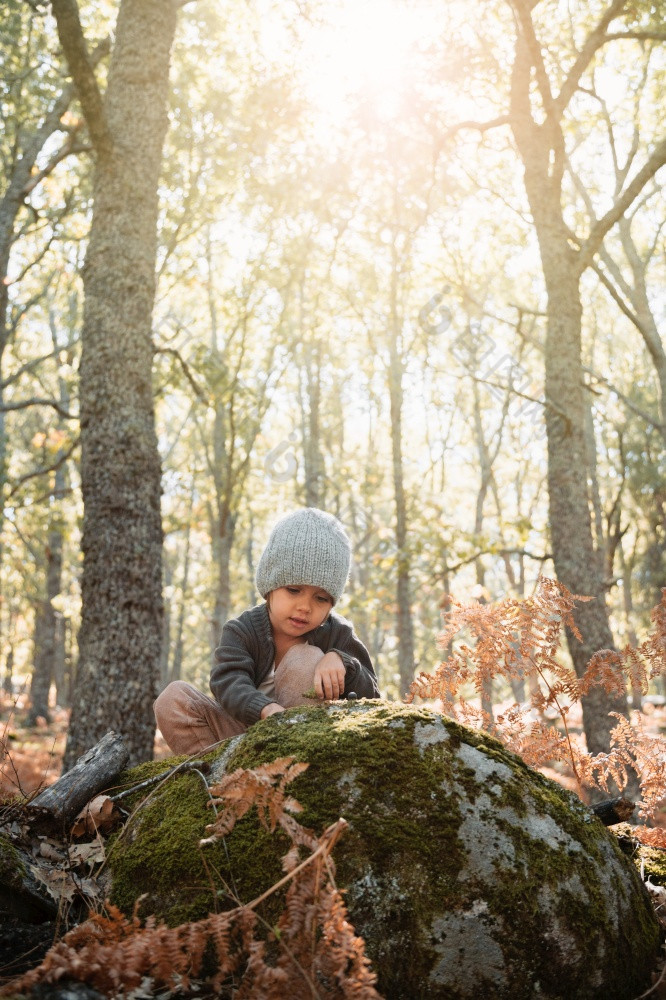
x: 293, y: 611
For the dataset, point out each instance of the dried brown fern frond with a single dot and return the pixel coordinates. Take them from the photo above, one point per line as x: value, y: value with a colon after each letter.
x: 652, y: 836
x: 646, y: 753
x: 318, y: 954
x: 654, y: 647
x: 264, y: 788
x: 512, y: 638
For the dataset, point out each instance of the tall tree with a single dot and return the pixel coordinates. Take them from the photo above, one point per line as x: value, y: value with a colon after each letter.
x: 539, y: 104
x: 121, y: 618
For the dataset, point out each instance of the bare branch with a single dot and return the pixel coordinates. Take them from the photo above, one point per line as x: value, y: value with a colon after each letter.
x: 523, y: 12
x: 598, y: 231
x: 477, y: 126
x: 642, y: 36
x: 68, y: 148
x: 70, y: 33
x: 27, y: 367
x: 23, y: 404
x: 649, y: 420
x: 543, y: 557
x: 593, y: 42
x: 62, y: 458
x: 618, y: 299
x: 198, y: 391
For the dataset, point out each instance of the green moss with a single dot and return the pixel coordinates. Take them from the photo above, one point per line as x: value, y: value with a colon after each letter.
x: 404, y: 793
x: 12, y: 870
x: 650, y: 862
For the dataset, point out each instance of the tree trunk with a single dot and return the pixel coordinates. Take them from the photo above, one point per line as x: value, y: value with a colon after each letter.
x: 121, y: 623
x: 45, y: 643
x: 403, y: 588
x: 47, y: 633
x: 576, y: 561
x: 166, y: 627
x: 222, y: 548
x: 576, y: 566
x: 176, y: 665
x: 7, y: 682
x: 312, y: 456
x: 485, y: 465
x: 249, y: 559
x: 626, y: 567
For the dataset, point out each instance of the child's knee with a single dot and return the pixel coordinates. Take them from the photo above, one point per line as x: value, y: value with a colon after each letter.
x: 304, y: 656
x: 174, y: 696
x: 294, y: 677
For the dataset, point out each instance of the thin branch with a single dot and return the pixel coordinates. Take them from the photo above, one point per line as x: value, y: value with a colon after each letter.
x: 650, y: 420
x: 62, y: 458
x: 23, y: 404
x: 498, y: 552
x: 26, y: 368
x: 69, y: 147
x: 598, y: 231
x: 476, y: 126
x: 642, y: 36
x: 593, y: 42
x: 70, y: 33
x: 618, y: 299
x: 198, y: 391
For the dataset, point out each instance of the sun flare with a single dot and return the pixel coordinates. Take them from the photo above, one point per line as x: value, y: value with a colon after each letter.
x: 364, y: 51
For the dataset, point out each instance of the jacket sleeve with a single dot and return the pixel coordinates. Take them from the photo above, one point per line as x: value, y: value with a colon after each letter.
x: 232, y: 679
x: 359, y: 671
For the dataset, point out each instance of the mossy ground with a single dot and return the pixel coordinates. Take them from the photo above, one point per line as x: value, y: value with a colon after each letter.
x: 402, y: 857
x: 649, y: 861
x: 11, y: 866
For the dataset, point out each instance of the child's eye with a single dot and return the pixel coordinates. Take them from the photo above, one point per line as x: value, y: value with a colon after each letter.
x: 322, y: 599
x: 293, y: 590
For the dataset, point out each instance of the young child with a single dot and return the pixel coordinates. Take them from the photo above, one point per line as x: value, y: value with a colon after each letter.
x: 274, y: 654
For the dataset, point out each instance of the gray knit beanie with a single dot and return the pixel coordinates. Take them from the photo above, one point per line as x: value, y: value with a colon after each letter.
x: 306, y: 547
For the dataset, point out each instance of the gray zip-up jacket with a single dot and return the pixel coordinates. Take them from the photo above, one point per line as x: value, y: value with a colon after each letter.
x: 246, y: 654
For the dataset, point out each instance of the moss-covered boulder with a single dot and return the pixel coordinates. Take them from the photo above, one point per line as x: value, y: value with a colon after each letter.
x: 467, y: 873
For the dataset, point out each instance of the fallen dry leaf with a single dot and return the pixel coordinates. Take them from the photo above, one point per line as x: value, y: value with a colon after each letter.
x: 98, y: 816
x: 48, y: 850
x: 90, y: 854
x: 59, y: 884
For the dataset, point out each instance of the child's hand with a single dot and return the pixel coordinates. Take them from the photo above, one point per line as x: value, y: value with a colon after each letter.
x: 271, y: 709
x: 329, y: 677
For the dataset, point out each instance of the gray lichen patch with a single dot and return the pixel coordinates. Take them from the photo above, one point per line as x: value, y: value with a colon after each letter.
x: 466, y: 943
x: 489, y: 848
x: 484, y: 767
x: 430, y: 734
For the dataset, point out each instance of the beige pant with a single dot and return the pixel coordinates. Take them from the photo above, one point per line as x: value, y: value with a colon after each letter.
x: 190, y: 721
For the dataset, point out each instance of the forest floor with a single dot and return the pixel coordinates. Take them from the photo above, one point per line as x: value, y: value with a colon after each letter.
x: 34, y: 753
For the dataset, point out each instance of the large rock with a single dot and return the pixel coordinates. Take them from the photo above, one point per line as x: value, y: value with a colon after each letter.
x: 468, y: 874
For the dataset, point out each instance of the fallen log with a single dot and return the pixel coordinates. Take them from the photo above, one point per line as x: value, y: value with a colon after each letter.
x: 56, y: 807
x: 613, y: 811
x: 21, y: 894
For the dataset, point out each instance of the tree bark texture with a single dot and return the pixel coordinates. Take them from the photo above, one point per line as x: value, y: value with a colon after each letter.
x: 121, y: 625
